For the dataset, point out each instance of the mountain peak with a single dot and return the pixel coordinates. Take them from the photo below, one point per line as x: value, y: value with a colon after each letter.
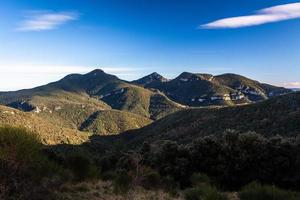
x: 156, y: 76
x: 186, y: 76
x: 152, y: 78
x: 232, y: 75
x: 189, y: 75
x: 96, y: 72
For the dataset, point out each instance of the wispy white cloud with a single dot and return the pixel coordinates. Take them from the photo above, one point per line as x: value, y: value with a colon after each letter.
x: 267, y: 15
x: 45, y: 20
x: 292, y: 85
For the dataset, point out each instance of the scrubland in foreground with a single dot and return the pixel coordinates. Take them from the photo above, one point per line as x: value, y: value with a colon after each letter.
x: 30, y: 170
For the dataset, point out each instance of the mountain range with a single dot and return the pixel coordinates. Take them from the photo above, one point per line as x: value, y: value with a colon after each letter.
x: 205, y: 89
x: 102, y: 104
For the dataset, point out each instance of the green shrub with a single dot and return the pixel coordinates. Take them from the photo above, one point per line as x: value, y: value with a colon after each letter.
x: 20, y: 148
x: 151, y: 180
x: 108, y: 161
x: 256, y: 191
x: 25, y: 171
x: 199, y: 179
x: 204, y: 192
x: 82, y: 166
x: 122, y: 183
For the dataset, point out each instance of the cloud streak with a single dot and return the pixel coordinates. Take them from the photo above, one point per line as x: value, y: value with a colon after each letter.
x: 264, y: 16
x: 15, y: 76
x: 292, y: 85
x: 42, y: 20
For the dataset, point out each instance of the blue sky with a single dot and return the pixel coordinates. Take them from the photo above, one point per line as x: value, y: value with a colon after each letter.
x: 41, y: 41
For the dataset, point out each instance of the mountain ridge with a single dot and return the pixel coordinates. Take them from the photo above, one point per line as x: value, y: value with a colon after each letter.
x: 72, y: 100
x: 198, y: 89
x: 103, y: 104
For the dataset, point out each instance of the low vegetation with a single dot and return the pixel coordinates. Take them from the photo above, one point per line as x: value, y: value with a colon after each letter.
x: 164, y: 170
x: 266, y: 192
x: 24, y: 168
x: 204, y: 192
x: 231, y: 161
x: 189, y: 161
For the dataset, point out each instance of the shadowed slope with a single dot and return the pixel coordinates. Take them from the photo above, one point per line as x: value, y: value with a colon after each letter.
x: 277, y: 116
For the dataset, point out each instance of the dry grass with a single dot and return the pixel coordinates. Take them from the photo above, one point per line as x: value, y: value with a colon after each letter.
x: 99, y: 190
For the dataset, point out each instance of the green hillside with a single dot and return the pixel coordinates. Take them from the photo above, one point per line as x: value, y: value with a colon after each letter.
x: 138, y: 100
x: 65, y: 109
x: 49, y: 133
x: 108, y: 122
x: 277, y: 116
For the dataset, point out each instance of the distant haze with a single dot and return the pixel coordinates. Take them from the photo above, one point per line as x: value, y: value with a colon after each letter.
x: 16, y: 78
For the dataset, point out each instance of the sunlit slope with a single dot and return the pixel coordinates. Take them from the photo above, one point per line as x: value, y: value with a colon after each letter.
x: 108, y: 122
x: 49, y: 133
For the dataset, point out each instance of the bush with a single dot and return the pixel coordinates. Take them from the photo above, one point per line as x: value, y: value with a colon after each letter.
x: 20, y: 149
x: 108, y: 161
x: 256, y: 191
x: 204, y: 192
x: 122, y: 183
x: 25, y: 171
x: 151, y: 180
x: 82, y: 166
x: 199, y: 179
